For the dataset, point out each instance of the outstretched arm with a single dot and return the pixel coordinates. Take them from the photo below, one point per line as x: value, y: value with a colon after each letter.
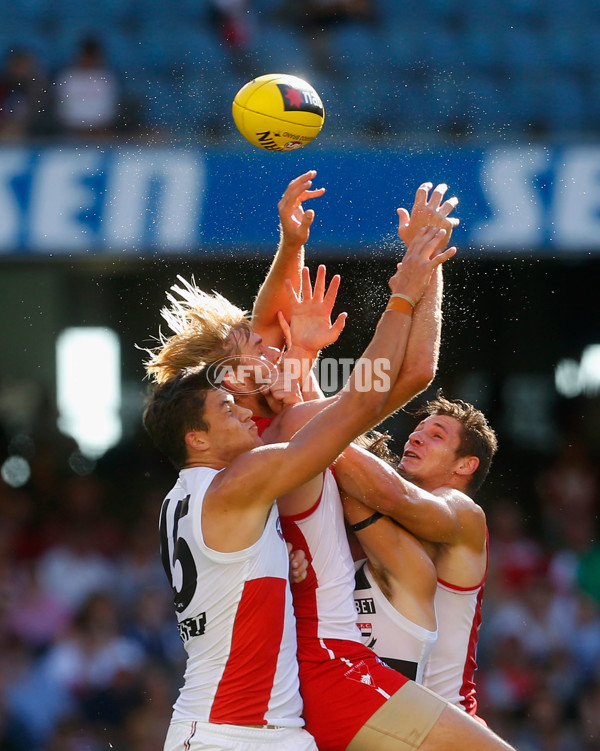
x: 270, y: 471
x: 310, y: 330
x: 422, y: 351
x: 288, y: 261
x: 449, y: 517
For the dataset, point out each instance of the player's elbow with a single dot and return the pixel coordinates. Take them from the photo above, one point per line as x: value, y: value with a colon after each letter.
x: 420, y: 376
x: 365, y: 405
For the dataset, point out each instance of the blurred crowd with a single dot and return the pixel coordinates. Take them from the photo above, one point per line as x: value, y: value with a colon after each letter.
x: 385, y: 69
x: 83, y: 100
x: 90, y: 656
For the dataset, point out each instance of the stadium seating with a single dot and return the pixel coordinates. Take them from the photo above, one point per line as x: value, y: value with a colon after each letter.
x: 415, y: 61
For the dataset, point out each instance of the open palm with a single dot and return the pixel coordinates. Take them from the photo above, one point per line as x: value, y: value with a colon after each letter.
x: 310, y: 326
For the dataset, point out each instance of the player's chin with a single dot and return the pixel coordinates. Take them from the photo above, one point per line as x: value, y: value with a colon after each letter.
x: 255, y: 439
x: 406, y: 461
x: 407, y: 466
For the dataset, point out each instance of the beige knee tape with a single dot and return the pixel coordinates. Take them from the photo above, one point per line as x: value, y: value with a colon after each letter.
x: 402, y: 723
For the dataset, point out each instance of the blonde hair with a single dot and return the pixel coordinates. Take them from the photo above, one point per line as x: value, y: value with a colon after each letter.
x: 202, y: 324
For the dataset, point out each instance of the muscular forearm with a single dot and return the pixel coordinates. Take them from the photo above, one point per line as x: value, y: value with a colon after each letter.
x: 272, y: 296
x: 422, y: 349
x: 294, y: 230
x: 379, y: 365
x: 445, y: 516
x: 344, y: 417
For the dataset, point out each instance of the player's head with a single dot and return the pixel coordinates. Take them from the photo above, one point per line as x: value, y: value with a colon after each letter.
x: 174, y: 408
x: 206, y: 328
x: 193, y: 422
x: 452, y: 445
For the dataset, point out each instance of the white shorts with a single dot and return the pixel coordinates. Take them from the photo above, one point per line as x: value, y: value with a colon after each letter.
x: 206, y: 736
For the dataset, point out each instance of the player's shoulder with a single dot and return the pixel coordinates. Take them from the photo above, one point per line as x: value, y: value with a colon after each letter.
x: 196, y: 480
x: 457, y: 498
x: 292, y: 418
x: 470, y: 514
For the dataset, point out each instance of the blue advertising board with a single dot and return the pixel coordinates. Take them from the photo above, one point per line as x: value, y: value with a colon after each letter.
x: 69, y: 200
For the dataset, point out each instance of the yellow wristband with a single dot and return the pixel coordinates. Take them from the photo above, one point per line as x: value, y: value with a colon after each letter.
x: 400, y: 305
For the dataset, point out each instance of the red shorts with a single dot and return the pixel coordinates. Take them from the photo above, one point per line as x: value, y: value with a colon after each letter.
x: 342, y: 684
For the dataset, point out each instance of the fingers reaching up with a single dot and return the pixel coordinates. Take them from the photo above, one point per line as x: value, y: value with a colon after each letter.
x: 429, y: 210
x: 310, y: 325
x: 421, y: 258
x: 295, y: 221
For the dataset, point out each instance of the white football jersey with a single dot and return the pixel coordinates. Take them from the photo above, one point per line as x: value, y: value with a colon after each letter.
x: 401, y: 644
x: 235, y: 617
x: 450, y: 670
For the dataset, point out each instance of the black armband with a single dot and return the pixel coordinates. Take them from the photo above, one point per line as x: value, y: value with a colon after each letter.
x: 366, y: 522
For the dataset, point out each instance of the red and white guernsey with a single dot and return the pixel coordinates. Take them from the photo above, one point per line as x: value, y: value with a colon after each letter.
x: 235, y: 617
x: 450, y: 670
x: 324, y: 601
x: 343, y: 682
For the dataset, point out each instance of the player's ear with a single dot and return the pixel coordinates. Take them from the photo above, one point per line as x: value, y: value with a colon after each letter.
x: 197, y: 441
x: 466, y: 465
x: 232, y: 382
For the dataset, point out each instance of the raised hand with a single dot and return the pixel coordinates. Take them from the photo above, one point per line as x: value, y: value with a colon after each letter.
x: 428, y: 211
x: 310, y: 326
x: 421, y: 258
x: 295, y: 222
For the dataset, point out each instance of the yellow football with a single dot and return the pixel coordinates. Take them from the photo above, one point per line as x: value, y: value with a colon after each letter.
x: 278, y: 112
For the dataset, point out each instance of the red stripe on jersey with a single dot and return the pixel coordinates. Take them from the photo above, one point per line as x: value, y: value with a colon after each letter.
x: 186, y: 743
x: 303, y: 515
x: 485, y: 573
x: 456, y: 588
x: 305, y: 592
x: 244, y: 690
x: 467, y: 691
